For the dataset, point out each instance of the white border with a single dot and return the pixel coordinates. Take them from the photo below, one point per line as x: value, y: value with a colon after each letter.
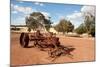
x: 4, y: 33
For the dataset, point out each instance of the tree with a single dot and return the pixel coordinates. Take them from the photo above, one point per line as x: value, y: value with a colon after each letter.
x: 64, y: 26
x: 90, y: 24
x: 38, y: 20
x: 29, y: 29
x: 92, y: 32
x: 81, y: 29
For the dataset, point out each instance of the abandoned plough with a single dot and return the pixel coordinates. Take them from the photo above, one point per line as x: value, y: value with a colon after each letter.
x: 61, y: 51
x: 55, y: 49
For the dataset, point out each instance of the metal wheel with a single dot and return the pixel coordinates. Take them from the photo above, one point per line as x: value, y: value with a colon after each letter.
x: 24, y: 39
x: 35, y: 43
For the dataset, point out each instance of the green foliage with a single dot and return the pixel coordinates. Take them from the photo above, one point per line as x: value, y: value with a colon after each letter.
x: 81, y: 29
x: 90, y: 24
x: 92, y: 31
x: 64, y: 26
x: 29, y: 29
x: 36, y: 20
x: 15, y: 29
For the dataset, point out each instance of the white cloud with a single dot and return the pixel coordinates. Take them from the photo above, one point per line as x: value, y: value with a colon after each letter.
x: 75, y: 11
x: 61, y: 17
x: 25, y: 10
x: 88, y: 9
x: 41, y: 4
x: 38, y: 3
x: 14, y: 12
x: 75, y: 15
x: 76, y: 18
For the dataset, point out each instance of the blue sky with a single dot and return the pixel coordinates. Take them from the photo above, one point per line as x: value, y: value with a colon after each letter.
x: 20, y: 9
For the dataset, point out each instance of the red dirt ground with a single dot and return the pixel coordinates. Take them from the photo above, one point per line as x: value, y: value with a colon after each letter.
x: 85, y: 51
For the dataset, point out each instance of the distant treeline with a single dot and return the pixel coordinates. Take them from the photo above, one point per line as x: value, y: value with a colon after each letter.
x: 17, y: 25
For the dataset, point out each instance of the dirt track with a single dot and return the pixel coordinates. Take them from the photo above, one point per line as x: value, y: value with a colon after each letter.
x: 85, y: 51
